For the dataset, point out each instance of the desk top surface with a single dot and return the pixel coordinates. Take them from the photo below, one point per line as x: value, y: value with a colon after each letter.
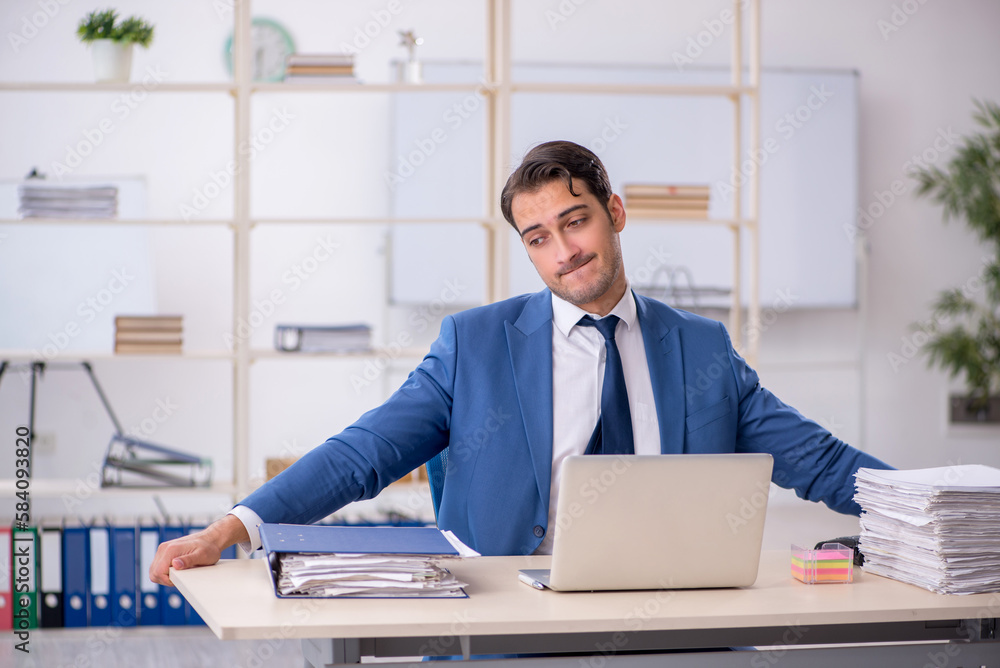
x: 237, y: 601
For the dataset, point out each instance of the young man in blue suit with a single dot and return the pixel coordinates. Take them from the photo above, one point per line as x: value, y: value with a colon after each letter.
x: 513, y: 388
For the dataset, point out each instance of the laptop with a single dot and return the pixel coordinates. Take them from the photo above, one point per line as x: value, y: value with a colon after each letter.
x: 657, y: 522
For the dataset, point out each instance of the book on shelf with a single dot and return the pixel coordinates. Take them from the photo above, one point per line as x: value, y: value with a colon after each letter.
x: 319, y: 60
x: 161, y: 336
x: 39, y: 199
x: 320, y: 79
x: 667, y: 213
x: 339, y: 70
x: 149, y: 348
x: 679, y: 201
x: 666, y: 190
x: 323, y: 338
x: 149, y: 322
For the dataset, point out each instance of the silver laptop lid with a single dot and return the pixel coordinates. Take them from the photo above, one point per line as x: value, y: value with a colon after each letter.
x: 660, y: 521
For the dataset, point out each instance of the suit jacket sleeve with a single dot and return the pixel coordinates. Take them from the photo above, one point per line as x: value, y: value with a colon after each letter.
x: 807, y: 457
x: 384, y: 444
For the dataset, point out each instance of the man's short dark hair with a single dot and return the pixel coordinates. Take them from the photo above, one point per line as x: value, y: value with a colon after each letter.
x: 556, y: 160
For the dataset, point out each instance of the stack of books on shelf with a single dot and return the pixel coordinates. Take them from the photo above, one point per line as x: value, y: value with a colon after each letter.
x: 667, y: 201
x: 321, y: 68
x: 323, y: 338
x: 149, y: 334
x: 934, y: 528
x: 42, y: 200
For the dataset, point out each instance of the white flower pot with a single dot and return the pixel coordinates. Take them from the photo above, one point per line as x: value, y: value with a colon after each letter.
x: 112, y: 60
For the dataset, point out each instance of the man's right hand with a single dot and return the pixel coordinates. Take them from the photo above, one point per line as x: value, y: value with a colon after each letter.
x: 198, y: 549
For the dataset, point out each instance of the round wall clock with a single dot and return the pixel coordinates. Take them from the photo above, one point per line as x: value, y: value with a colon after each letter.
x: 271, y: 44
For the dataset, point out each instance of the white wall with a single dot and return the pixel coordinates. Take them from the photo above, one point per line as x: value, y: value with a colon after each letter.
x: 916, y: 82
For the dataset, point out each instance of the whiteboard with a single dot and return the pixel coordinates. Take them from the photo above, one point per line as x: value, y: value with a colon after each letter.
x: 808, y: 174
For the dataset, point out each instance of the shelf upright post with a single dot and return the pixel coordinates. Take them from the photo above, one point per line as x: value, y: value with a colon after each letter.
x: 497, y: 149
x: 753, y: 229
x: 242, y: 74
x: 736, y: 66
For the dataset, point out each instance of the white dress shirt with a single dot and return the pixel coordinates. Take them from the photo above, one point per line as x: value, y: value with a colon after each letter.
x: 578, y: 356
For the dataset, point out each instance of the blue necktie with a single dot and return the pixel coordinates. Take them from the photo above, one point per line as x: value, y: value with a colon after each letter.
x: 613, y: 435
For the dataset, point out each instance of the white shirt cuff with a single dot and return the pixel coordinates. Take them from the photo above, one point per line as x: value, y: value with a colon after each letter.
x: 251, y: 521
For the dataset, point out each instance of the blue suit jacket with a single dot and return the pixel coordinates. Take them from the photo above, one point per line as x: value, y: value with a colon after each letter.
x: 485, y: 391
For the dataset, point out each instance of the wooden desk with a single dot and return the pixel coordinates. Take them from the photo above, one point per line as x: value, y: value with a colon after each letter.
x: 502, y: 615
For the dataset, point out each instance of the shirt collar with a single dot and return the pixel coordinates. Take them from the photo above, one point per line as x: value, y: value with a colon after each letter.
x: 566, y: 315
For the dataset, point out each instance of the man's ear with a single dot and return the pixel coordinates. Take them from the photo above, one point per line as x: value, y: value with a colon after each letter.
x: 617, y: 210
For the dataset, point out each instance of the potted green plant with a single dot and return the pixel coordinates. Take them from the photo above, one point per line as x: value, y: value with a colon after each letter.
x: 111, y: 42
x: 964, y: 332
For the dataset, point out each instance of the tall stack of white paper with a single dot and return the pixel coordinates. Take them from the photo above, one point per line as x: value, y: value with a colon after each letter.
x: 936, y: 528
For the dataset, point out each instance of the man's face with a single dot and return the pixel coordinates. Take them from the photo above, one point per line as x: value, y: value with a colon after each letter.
x: 573, y: 243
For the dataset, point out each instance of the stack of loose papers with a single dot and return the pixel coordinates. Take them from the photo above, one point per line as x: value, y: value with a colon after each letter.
x: 344, y: 561
x: 935, y: 528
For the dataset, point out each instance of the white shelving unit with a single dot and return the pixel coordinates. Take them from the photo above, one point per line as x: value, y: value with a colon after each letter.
x: 497, y: 90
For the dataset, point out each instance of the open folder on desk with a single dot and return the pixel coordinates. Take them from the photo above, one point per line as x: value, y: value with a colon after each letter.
x: 315, y: 561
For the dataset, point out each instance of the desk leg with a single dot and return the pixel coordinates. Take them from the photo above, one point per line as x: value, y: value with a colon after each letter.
x: 326, y: 652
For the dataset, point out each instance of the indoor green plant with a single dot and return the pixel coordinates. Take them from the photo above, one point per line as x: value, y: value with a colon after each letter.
x: 964, y: 332
x: 112, y: 41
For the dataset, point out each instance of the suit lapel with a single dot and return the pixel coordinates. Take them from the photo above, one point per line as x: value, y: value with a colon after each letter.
x: 666, y: 372
x: 529, y: 341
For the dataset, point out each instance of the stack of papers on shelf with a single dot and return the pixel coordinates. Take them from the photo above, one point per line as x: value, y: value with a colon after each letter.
x: 936, y: 528
x: 361, y: 562
x: 41, y: 200
x: 323, y: 338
